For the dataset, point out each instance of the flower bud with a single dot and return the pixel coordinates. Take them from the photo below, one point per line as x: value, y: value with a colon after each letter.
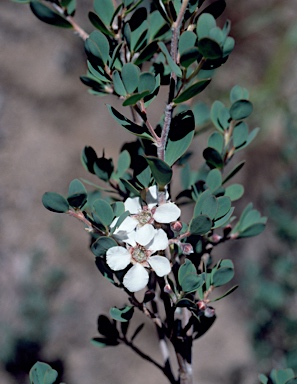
x: 168, y: 289
x: 186, y: 248
x: 176, y: 226
x: 216, y: 238
x: 201, y: 305
x: 209, y: 312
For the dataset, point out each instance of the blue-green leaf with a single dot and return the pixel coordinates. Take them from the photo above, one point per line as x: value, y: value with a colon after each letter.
x: 42, y: 373
x: 161, y: 171
x: 123, y: 315
x: 200, y: 225
x: 103, y: 211
x: 45, y: 14
x: 128, y: 124
x: 55, y: 202
x: 192, y: 91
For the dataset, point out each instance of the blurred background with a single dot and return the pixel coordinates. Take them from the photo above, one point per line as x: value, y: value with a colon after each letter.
x: 50, y: 290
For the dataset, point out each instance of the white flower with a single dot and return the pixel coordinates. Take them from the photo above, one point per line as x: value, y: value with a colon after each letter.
x: 127, y: 226
x: 143, y: 243
x: 165, y: 213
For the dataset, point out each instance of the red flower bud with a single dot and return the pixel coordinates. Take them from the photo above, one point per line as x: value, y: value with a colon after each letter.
x: 186, y: 248
x: 176, y: 226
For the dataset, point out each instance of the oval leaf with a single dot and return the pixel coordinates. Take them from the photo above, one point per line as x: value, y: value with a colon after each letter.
x: 45, y: 14
x: 55, y: 202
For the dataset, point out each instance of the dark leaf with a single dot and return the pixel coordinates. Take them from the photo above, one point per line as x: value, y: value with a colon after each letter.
x: 45, y: 14
x: 161, y: 171
x: 192, y: 91
x: 213, y: 158
x: 55, y: 202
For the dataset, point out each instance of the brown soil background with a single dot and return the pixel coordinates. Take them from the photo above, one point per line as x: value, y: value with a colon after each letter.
x: 46, y: 118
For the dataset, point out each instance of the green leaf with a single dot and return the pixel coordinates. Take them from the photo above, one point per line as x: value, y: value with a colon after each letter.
x: 234, y: 191
x: 123, y: 315
x: 173, y: 66
x: 214, y: 180
x: 238, y: 93
x: 218, y: 110
x: 144, y: 176
x: 98, y: 45
x: 223, y: 220
x: 228, y: 46
x: 282, y: 376
x: 55, y: 202
x: 223, y: 273
x: 224, y: 205
x: 189, y: 56
x: 102, y: 244
x: 128, y: 124
x: 161, y: 171
x: 210, y: 207
x: 188, y: 278
x: 236, y: 169
x: 147, y: 82
x: 118, y: 208
x: 45, y: 14
x: 200, y: 225
x: 102, y: 342
x: 130, y: 76
x: 147, y: 53
x: 180, y: 136
x: 132, y: 100
x: 213, y: 158
x: 200, y: 201
x: 251, y: 137
x: 105, y: 9
x: 201, y: 113
x: 130, y: 187
x: 103, y: 168
x: 216, y: 141
x: 124, y: 162
x: 103, y: 211
x: 192, y: 91
x: 205, y: 23
x: 241, y: 109
x: 263, y: 379
x: 118, y: 84
x: 240, y: 134
x: 98, y: 23
x: 42, y: 373
x: 209, y: 48
x: 70, y: 5
x: 231, y: 290
x: 187, y: 40
x: 253, y: 230
x: 77, y: 194
x: 88, y: 158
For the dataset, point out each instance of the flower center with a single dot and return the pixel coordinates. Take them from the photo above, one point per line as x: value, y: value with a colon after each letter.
x: 139, y: 255
x: 144, y: 217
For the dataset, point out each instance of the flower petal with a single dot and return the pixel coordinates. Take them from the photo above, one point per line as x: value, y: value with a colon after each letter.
x: 167, y: 213
x: 159, y: 242
x: 132, y: 204
x: 128, y: 225
x: 160, y: 265
x: 136, y: 278
x: 152, y: 196
x: 118, y: 258
x: 145, y: 234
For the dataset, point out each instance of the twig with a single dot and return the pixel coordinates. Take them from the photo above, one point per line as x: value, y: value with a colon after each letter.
x: 81, y: 33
